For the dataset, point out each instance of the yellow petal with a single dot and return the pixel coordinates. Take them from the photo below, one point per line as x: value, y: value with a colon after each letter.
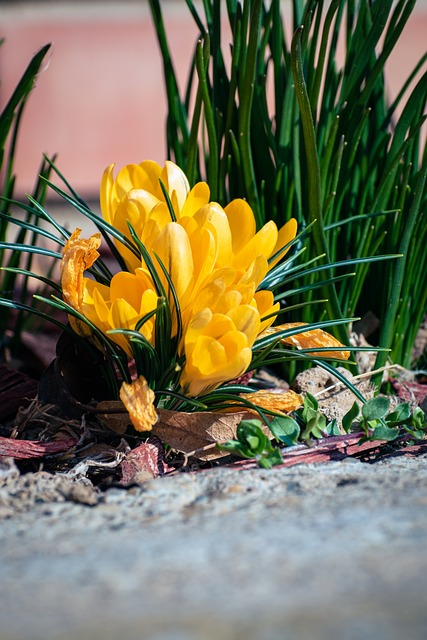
x: 265, y: 304
x: 214, y: 216
x: 106, y: 193
x: 310, y: 340
x: 286, y: 234
x: 174, y: 250
x: 176, y: 184
x: 197, y: 198
x: 215, y: 352
x: 204, y: 251
x: 283, y: 402
x: 242, y: 223
x: 138, y: 399
x: 246, y: 319
x: 262, y: 244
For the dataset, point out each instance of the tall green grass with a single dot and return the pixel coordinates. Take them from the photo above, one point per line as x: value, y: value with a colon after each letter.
x: 10, y: 259
x: 285, y: 124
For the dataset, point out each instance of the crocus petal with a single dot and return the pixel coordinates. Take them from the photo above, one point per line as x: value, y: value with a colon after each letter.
x: 215, y: 352
x: 266, y: 307
x: 204, y: 248
x: 286, y: 234
x: 281, y: 402
x: 197, y: 198
x: 174, y: 250
x: 242, y: 223
x: 214, y: 216
x: 310, y: 340
x: 176, y: 183
x: 138, y: 399
x: 246, y: 320
x: 262, y: 244
x: 106, y: 193
x: 78, y: 255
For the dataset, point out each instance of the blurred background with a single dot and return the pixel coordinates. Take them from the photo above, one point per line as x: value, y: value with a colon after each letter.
x: 101, y: 99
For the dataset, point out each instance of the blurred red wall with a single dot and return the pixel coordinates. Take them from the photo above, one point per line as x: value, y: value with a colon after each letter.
x: 101, y: 97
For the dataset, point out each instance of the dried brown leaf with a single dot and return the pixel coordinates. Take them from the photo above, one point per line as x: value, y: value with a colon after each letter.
x: 188, y: 432
x: 114, y: 414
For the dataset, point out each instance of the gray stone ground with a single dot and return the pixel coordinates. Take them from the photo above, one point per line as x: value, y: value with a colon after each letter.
x: 334, y: 551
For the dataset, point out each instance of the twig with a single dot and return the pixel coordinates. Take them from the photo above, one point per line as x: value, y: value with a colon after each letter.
x: 367, y: 374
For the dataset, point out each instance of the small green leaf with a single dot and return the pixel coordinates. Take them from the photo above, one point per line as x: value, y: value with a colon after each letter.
x: 235, y: 447
x: 385, y: 433
x: 315, y: 428
x: 285, y: 429
x: 401, y: 414
x: 274, y: 458
x: 250, y: 434
x: 311, y: 401
x: 376, y: 408
x: 419, y: 418
x: 350, y: 416
x: 332, y: 429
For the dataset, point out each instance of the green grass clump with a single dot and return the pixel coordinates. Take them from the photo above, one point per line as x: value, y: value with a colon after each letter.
x: 14, y: 262
x: 297, y: 133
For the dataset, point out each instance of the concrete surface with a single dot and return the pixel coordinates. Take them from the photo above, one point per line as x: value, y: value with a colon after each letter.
x: 335, y: 551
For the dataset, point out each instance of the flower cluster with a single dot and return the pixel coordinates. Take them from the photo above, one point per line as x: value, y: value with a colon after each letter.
x: 209, y: 262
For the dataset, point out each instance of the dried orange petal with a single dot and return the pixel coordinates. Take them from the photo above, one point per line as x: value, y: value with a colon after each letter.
x: 310, y: 340
x: 283, y: 401
x: 138, y: 399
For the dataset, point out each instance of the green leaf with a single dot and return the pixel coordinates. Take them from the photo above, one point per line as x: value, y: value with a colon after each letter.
x: 21, y: 92
x: 376, y: 408
x: 419, y: 418
x: 250, y: 434
x: 272, y: 459
x: 347, y: 419
x: 285, y: 429
x: 332, y: 429
x: 399, y: 415
x: 383, y: 432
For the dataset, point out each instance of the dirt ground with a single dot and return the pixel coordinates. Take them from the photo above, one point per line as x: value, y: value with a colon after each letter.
x: 334, y: 551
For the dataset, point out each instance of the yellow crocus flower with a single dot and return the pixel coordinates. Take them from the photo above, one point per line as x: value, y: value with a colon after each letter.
x: 218, y: 348
x: 135, y: 195
x: 214, y: 257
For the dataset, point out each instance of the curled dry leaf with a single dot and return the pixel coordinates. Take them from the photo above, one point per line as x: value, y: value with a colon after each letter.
x: 311, y: 340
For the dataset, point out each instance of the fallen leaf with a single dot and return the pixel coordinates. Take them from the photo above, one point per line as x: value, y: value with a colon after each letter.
x: 114, y: 414
x: 188, y: 432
